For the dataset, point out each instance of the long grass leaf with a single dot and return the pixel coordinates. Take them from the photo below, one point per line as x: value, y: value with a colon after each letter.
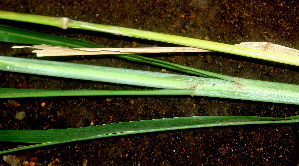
x: 9, y: 34
x: 97, y: 73
x: 175, y: 67
x: 243, y: 89
x: 13, y: 35
x: 58, y: 136
x: 65, y: 23
x: 22, y: 93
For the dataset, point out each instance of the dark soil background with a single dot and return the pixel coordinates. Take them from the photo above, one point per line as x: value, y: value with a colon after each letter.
x: 226, y: 21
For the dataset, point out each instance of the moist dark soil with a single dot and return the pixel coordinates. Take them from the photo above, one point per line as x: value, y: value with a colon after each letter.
x: 225, y: 21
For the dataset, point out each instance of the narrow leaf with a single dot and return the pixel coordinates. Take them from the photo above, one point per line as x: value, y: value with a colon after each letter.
x: 22, y: 93
x: 13, y: 35
x: 47, y: 50
x: 17, y: 36
x: 244, y: 89
x: 58, y: 136
x: 185, y: 41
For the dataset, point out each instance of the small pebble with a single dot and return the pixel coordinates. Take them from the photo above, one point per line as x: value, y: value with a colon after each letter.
x: 20, y: 115
x: 43, y: 104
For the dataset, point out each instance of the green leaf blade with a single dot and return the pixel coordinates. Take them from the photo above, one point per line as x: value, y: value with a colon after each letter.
x: 13, y: 35
x: 58, y: 136
x: 243, y: 89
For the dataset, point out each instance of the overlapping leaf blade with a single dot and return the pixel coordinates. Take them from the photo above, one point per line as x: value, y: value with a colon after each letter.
x: 14, y: 35
x: 58, y: 136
